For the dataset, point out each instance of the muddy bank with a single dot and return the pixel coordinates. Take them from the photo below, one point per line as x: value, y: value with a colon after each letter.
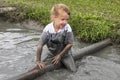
x: 6, y: 9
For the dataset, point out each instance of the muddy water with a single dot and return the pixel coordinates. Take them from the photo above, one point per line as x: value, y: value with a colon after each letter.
x: 18, y: 43
x: 17, y: 49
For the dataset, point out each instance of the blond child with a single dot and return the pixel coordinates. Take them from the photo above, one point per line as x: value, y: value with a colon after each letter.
x: 58, y: 37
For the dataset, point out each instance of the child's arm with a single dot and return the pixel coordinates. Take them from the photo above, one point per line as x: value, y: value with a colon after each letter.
x: 42, y: 41
x: 58, y: 57
x: 70, y: 39
x: 39, y: 52
x: 38, y: 57
x: 66, y: 49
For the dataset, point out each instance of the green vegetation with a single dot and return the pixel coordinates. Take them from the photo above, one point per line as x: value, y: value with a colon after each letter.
x: 91, y: 20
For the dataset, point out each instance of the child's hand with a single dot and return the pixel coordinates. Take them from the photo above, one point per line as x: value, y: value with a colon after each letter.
x: 56, y: 59
x: 41, y: 65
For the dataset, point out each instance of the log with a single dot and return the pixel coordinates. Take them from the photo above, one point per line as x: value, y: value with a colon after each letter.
x: 7, y: 9
x: 91, y: 49
x: 82, y: 52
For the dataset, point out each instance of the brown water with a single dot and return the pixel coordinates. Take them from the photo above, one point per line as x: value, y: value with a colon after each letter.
x: 18, y: 43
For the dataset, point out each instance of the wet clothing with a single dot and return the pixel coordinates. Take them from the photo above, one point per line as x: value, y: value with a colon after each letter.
x: 56, y: 42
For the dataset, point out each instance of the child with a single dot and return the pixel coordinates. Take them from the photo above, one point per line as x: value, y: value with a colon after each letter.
x: 58, y: 37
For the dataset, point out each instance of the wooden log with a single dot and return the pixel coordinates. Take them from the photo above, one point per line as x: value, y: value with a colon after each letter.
x: 91, y: 49
x: 31, y: 75
x: 82, y: 52
x: 7, y: 9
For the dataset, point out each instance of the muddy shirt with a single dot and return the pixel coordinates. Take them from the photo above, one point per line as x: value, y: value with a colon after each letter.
x: 56, y: 41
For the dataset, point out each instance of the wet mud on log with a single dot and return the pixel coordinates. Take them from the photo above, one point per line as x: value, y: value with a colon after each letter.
x: 82, y: 52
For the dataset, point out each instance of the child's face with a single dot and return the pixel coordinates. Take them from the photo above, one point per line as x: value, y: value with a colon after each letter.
x: 61, y: 20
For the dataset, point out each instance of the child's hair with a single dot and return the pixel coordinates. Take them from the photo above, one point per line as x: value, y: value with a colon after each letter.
x: 57, y: 7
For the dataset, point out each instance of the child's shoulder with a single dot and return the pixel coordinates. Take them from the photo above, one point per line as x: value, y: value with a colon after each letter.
x: 68, y: 28
x: 48, y: 27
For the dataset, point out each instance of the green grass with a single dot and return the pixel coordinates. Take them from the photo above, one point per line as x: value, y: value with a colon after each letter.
x: 91, y: 20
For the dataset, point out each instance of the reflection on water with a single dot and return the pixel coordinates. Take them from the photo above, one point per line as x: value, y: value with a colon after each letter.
x: 18, y: 50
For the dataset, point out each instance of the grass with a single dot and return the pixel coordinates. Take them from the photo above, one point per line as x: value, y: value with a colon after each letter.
x: 91, y: 20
